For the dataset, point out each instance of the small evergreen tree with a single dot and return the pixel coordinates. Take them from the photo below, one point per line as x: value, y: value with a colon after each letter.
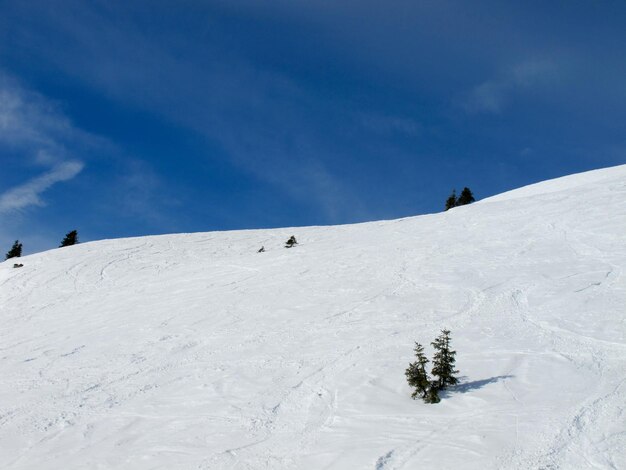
x: 15, y: 251
x: 70, y: 239
x: 451, y: 201
x: 443, y: 362
x: 291, y: 242
x: 416, y: 374
x: 466, y: 197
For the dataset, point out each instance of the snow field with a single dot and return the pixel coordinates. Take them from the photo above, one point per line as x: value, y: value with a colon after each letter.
x: 194, y: 351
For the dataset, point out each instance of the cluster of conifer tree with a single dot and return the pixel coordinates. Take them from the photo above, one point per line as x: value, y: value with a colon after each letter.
x: 71, y: 238
x: 443, y: 370
x: 466, y: 197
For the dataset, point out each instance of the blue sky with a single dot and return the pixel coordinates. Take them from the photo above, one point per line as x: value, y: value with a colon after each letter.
x: 158, y: 117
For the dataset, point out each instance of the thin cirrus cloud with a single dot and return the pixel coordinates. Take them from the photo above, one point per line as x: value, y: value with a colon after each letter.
x: 29, y: 193
x: 31, y: 123
x: 36, y: 132
x: 493, y: 95
x: 42, y: 145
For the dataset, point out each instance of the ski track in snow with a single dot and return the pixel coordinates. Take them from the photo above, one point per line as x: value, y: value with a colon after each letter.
x: 195, y: 351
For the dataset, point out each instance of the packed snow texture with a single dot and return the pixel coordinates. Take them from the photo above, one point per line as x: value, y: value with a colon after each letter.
x: 196, y: 352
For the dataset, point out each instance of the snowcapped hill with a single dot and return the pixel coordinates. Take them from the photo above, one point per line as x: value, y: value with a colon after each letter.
x: 196, y: 352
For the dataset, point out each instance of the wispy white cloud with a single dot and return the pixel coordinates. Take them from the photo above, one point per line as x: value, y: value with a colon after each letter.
x: 38, y: 133
x: 30, y: 122
x: 46, y: 149
x: 493, y: 95
x: 29, y: 193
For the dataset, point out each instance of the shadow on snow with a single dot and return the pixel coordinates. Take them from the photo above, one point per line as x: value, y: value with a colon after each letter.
x: 463, y: 387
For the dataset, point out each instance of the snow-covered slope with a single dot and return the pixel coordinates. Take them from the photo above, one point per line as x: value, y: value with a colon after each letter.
x: 196, y: 352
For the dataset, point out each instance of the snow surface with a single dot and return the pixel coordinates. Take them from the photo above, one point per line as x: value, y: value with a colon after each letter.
x: 196, y: 352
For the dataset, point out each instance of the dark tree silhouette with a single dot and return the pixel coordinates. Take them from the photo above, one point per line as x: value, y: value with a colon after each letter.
x: 451, y: 201
x: 466, y: 197
x: 416, y: 374
x: 443, y: 362
x: 15, y: 251
x: 70, y: 239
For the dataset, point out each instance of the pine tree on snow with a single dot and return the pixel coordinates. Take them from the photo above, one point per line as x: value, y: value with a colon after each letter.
x: 443, y: 361
x: 15, y: 251
x: 416, y: 374
x: 70, y: 239
x: 451, y: 201
x: 466, y: 197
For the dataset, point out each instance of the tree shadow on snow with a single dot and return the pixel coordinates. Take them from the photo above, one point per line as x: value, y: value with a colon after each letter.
x: 463, y: 386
